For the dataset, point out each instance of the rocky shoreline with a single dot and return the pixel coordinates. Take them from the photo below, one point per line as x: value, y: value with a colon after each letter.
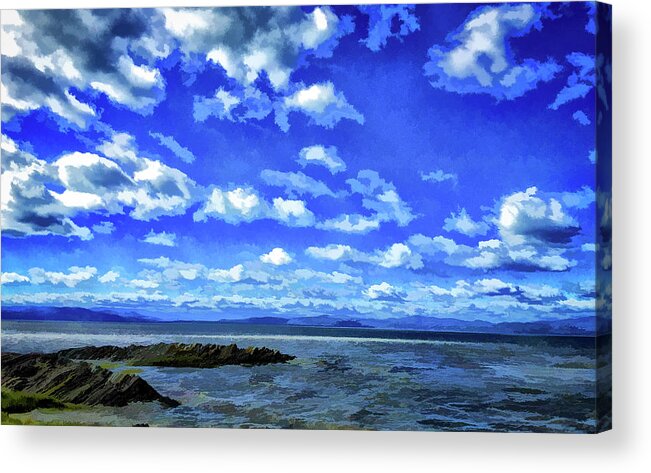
x: 70, y: 376
x: 180, y: 355
x: 75, y: 382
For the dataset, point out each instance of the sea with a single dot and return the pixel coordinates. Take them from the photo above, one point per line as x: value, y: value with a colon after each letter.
x: 344, y: 378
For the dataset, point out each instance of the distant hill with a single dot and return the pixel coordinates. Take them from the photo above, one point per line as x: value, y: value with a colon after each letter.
x: 584, y: 326
x: 69, y: 314
x: 257, y: 321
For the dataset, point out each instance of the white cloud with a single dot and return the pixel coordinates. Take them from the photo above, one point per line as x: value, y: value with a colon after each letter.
x: 296, y: 183
x: 580, y: 82
x: 580, y: 199
x: 383, y: 291
x: 233, y: 274
x: 75, y: 275
x: 293, y: 211
x: 48, y: 60
x: 579, y: 304
x: 181, y: 152
x: 330, y: 252
x: 463, y: 223
x: 398, y: 255
x: 381, y: 197
x: 322, y: 156
x: 106, y: 227
x: 28, y: 206
x: 321, y: 103
x: 11, y: 278
x: 589, y: 247
x: 173, y: 270
x: 526, y: 218
x: 439, y: 176
x: 478, y: 57
x: 109, y: 276
x: 437, y: 244
x: 245, y: 205
x: 271, y: 43
x: 382, y: 23
x: 162, y: 238
x: 277, y: 257
x: 350, y: 224
x: 334, y: 277
x: 144, y: 283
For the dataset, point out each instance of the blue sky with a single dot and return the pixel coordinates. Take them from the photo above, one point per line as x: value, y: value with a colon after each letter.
x: 381, y: 161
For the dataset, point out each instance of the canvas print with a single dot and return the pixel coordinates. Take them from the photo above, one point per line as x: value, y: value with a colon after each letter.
x: 377, y: 217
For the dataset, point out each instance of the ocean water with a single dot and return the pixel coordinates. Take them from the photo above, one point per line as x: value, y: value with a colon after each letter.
x: 345, y: 378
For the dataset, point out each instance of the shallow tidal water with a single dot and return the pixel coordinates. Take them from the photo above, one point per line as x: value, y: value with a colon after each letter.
x: 344, y: 378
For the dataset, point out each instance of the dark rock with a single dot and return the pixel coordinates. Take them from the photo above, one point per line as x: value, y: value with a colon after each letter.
x: 179, y: 355
x: 75, y: 382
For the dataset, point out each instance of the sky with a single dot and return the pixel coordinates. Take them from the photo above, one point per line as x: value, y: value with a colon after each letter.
x: 362, y: 162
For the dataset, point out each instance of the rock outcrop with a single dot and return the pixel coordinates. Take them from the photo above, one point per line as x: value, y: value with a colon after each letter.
x: 179, y: 355
x: 75, y: 382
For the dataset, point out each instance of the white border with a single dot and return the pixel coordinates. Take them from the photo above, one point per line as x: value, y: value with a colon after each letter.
x: 626, y: 448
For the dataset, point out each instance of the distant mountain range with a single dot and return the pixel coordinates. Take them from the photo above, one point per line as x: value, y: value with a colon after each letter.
x: 69, y: 314
x: 584, y: 326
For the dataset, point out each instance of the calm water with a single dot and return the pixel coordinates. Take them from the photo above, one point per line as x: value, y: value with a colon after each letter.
x: 346, y: 378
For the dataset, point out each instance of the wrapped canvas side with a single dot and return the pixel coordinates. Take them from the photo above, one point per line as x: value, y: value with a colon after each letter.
x: 603, y: 156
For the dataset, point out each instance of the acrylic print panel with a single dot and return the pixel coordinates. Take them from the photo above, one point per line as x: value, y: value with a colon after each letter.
x: 386, y: 217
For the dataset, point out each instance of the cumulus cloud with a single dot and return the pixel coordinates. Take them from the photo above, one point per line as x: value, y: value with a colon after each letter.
x: 181, y: 152
x: 162, y: 238
x: 296, y: 183
x: 383, y: 292
x: 144, y: 283
x: 580, y: 82
x: 463, y: 223
x: 395, y: 256
x: 334, y: 277
x: 173, y: 270
x: 399, y: 255
x: 439, y: 176
x: 526, y: 218
x: 29, y: 207
x: 254, y: 44
x: 580, y: 199
x: 378, y: 196
x: 106, y: 227
x: 322, y: 156
x: 233, y: 274
x: 491, y: 254
x: 277, y: 257
x: 478, y: 57
x: 320, y: 103
x: 152, y: 189
x: 12, y: 278
x: 581, y: 117
x: 354, y: 223
x: 237, y: 105
x: 74, y: 276
x: 382, y: 21
x: 54, y: 51
x: 330, y: 252
x: 293, y: 212
x: 436, y: 244
x: 109, y: 276
x: 245, y: 205
x: 249, y: 42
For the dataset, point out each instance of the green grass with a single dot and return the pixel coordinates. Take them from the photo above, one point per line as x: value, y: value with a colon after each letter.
x: 14, y: 402
x: 130, y: 371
